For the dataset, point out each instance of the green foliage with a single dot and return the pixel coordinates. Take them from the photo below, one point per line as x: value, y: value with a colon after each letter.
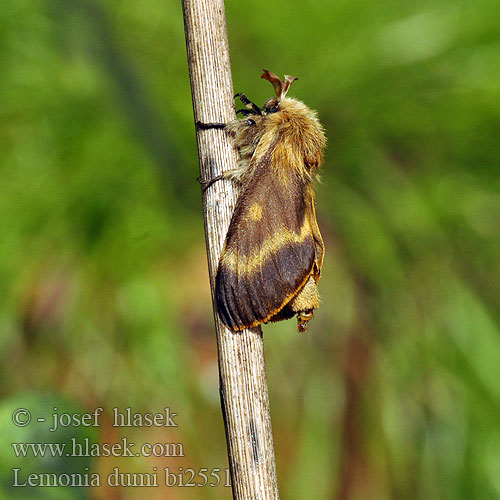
x: 105, y: 293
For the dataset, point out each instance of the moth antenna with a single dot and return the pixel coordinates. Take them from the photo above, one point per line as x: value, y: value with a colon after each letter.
x: 286, y: 84
x: 248, y: 103
x: 275, y: 80
x: 281, y: 88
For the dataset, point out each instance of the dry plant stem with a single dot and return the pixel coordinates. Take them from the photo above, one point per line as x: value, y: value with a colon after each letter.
x: 244, y: 396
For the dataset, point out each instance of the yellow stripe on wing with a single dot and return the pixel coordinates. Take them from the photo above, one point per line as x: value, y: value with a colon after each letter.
x: 246, y: 264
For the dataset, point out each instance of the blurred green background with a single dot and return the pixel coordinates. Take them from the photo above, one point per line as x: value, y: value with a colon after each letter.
x: 394, y: 393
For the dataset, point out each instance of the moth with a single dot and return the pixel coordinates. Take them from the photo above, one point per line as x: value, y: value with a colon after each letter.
x: 272, y: 256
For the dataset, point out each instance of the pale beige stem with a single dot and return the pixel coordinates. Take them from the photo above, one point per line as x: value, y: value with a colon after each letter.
x: 244, y: 396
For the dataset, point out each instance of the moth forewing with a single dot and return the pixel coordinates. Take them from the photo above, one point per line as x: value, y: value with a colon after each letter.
x: 272, y: 257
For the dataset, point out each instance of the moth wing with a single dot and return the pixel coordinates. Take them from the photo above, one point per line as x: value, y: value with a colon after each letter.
x: 271, y: 247
x: 318, y: 239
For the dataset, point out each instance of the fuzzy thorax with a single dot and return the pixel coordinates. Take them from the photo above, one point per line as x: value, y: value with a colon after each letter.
x: 289, y: 127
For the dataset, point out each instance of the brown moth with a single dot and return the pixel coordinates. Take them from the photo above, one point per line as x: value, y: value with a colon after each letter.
x: 273, y: 253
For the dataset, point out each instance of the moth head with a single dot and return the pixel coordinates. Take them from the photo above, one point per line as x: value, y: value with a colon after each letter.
x: 253, y: 113
x: 277, y: 111
x: 271, y: 106
x: 280, y: 102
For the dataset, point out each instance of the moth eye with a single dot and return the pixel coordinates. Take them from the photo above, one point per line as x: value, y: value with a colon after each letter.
x: 250, y: 122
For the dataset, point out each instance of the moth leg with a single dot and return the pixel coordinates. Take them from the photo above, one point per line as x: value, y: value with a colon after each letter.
x: 245, y: 112
x: 234, y: 175
x: 249, y: 104
x: 206, y: 184
x: 207, y: 126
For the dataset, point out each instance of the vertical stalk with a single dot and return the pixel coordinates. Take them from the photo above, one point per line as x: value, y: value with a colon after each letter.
x: 243, y: 387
